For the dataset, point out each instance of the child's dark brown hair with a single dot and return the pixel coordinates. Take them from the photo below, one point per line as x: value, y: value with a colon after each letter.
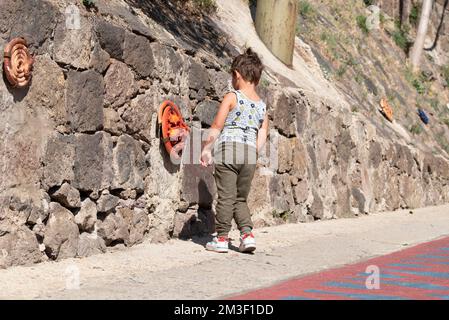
x: 249, y: 66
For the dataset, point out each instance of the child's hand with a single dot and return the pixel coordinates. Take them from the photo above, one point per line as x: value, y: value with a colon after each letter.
x: 206, y: 158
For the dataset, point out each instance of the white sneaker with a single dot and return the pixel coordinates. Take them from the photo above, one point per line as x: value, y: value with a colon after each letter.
x: 218, y: 244
x: 247, y: 243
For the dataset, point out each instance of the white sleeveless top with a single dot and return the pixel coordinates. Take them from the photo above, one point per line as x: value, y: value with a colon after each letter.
x: 244, y: 121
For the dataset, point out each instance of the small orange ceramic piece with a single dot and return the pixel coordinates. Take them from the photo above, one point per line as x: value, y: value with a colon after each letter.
x: 17, y: 63
x: 174, y: 118
x: 173, y: 129
x: 386, y: 109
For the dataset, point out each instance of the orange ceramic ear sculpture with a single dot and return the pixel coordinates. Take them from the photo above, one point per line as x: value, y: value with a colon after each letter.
x: 18, y: 63
x: 386, y: 109
x: 173, y: 129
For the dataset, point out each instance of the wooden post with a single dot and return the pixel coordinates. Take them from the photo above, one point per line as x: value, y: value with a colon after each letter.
x: 406, y: 9
x: 276, y: 26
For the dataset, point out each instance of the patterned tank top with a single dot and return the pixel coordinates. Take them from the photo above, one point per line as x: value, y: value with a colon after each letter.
x: 244, y: 121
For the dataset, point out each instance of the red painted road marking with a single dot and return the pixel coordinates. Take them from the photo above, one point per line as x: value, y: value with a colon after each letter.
x: 420, y: 272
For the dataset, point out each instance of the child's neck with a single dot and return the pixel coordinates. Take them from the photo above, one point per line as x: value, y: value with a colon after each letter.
x: 249, y: 89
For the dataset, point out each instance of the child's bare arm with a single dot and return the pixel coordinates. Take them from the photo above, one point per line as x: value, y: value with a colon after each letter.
x: 227, y: 104
x: 219, y: 121
x: 262, y: 135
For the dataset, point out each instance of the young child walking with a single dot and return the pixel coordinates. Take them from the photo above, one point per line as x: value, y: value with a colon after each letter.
x: 238, y: 133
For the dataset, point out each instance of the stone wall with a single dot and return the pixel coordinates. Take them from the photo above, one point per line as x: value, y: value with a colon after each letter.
x: 81, y: 166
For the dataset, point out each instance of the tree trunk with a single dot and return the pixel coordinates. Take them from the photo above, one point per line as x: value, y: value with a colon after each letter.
x: 276, y: 26
x: 440, y: 26
x: 406, y: 9
x: 418, y: 46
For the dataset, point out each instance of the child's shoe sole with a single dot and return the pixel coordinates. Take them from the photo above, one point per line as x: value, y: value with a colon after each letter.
x: 247, y: 249
x: 218, y: 250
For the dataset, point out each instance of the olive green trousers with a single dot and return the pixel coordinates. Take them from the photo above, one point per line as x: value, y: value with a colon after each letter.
x: 233, y: 180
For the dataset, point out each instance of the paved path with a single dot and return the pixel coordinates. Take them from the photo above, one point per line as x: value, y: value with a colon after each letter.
x: 184, y: 270
x: 421, y: 272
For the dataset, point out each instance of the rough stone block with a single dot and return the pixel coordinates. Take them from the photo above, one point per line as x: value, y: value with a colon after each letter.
x: 198, y: 76
x: 139, y: 113
x: 119, y: 84
x: 206, y: 111
x: 161, y: 221
x: 317, y: 208
x: 220, y: 82
x: 301, y: 191
x: 359, y: 200
x: 18, y: 245
x: 281, y: 193
x: 194, y: 223
x: 84, y: 100
x: 112, y: 123
x: 128, y: 164
x: 92, y: 166
x: 39, y: 209
x: 138, y: 224
x: 99, y: 59
x: 61, y: 233
x: 113, y: 229
x: 285, y: 154
x: 375, y: 154
x: 198, y: 185
x: 168, y: 64
x: 258, y: 198
x: 73, y: 47
x: 34, y: 20
x: 48, y: 89
x: 138, y: 54
x: 58, y: 160
x: 284, y: 114
x: 299, y: 159
x: 111, y: 38
x: 87, y: 216
x: 90, y: 244
x: 67, y: 196
x: 107, y: 202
